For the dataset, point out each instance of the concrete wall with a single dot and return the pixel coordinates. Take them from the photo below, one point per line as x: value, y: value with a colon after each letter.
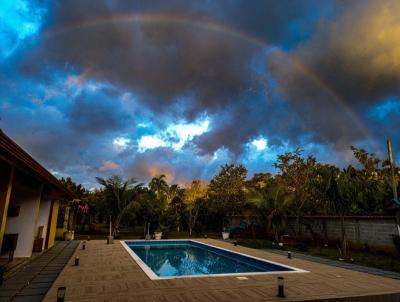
x: 376, y: 232
x: 25, y: 224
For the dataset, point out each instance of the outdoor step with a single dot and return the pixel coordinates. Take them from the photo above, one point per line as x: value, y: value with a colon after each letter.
x: 33, y: 291
x: 37, y: 298
x: 39, y: 285
x: 8, y: 293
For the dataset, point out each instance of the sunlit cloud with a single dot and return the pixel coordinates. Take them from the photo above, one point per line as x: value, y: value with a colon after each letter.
x: 109, y: 165
x: 184, y: 132
x: 260, y: 144
x: 143, y: 125
x: 175, y: 136
x: 150, y: 142
x: 121, y: 143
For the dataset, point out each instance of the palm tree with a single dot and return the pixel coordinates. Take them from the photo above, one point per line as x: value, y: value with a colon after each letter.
x: 120, y: 196
x: 159, y: 186
x: 277, y: 216
x: 272, y: 198
x: 172, y: 192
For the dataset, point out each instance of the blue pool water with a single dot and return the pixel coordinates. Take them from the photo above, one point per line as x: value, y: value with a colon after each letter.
x: 182, y: 258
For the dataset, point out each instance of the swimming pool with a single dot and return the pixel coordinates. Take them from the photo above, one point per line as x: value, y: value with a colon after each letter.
x: 164, y: 259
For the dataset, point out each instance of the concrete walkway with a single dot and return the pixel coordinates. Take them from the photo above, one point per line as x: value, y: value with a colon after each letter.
x: 33, y: 281
x: 341, y: 264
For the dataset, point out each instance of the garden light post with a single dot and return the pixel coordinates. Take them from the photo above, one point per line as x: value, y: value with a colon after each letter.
x: 281, y: 287
x: 110, y: 238
x: 61, y: 294
x: 148, y: 237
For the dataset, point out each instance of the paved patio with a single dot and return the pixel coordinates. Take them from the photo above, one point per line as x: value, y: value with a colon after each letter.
x: 32, y: 282
x: 342, y: 264
x: 108, y: 273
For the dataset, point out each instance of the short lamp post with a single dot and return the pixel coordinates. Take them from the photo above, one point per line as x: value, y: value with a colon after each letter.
x: 77, y: 261
x: 281, y: 287
x: 84, y: 245
x: 289, y: 255
x: 61, y: 294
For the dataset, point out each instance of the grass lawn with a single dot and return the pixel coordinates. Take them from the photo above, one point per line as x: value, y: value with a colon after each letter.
x: 382, y: 261
x: 139, y: 235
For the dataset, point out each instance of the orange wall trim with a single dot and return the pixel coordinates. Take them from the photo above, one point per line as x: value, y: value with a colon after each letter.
x: 53, y: 223
x: 4, y: 202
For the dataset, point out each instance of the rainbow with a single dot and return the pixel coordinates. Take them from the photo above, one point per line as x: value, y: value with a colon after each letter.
x: 212, y: 26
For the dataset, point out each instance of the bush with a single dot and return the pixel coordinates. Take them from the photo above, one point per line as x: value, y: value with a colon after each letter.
x: 301, y: 247
x: 396, y: 241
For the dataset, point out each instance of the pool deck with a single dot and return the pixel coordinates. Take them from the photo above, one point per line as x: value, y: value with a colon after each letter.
x: 109, y: 273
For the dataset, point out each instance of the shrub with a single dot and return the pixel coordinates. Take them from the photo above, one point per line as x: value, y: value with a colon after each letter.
x: 396, y: 241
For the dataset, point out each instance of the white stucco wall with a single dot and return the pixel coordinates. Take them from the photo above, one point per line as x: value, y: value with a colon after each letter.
x: 25, y: 224
x: 43, y: 218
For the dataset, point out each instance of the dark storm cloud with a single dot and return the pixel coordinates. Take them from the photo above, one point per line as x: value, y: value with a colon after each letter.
x: 96, y: 114
x: 354, y: 64
x: 83, y: 83
x: 160, y: 61
x: 164, y: 61
x: 71, y: 139
x: 254, y: 115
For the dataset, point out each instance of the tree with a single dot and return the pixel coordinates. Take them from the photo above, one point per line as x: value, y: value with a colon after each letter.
x: 295, y: 172
x: 177, y: 206
x: 118, y: 198
x: 75, y: 188
x: 343, y: 193
x: 75, y: 205
x: 227, y: 190
x: 193, y: 197
x: 159, y: 186
x: 174, y: 199
x: 369, y: 161
x: 374, y: 184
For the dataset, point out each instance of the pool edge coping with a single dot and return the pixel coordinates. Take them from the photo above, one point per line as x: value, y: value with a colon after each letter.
x: 150, y: 273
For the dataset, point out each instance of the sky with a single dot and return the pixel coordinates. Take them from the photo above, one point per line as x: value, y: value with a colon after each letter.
x: 180, y: 87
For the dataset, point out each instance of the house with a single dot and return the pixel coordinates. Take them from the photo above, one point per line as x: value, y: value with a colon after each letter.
x: 29, y: 200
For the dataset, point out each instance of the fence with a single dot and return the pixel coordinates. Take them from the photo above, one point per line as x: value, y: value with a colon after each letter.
x: 374, y: 232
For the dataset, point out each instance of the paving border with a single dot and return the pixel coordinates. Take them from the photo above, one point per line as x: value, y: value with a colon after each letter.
x: 341, y: 264
x: 32, y: 282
